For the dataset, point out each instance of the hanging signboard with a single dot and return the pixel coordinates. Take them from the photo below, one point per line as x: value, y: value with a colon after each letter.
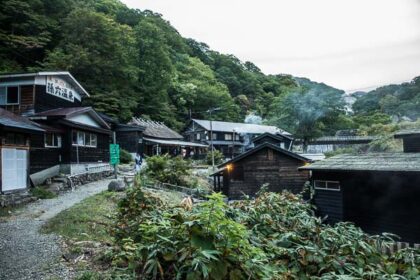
x: 60, y: 88
x: 114, y: 152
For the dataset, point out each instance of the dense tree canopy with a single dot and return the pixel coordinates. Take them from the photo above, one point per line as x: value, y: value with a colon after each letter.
x: 134, y: 62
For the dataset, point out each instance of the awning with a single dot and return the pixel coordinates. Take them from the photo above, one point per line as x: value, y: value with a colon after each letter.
x: 174, y: 143
x: 218, y: 172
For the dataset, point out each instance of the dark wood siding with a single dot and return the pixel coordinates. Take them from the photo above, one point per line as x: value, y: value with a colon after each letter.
x: 41, y: 157
x: 270, y: 167
x: 100, y: 153
x: 26, y: 98
x: 45, y: 101
x: 377, y: 201
x: 129, y: 141
x: 411, y: 144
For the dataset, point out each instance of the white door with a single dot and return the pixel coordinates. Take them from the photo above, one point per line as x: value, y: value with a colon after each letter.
x: 14, y: 171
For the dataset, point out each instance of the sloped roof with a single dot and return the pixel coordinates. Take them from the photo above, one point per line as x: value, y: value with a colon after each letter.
x: 240, y: 127
x: 8, y: 119
x: 156, y: 129
x: 64, y: 74
x: 369, y: 162
x: 70, y: 112
x: 262, y: 146
x: 274, y: 136
x: 341, y: 140
x: 175, y: 143
x: 407, y: 132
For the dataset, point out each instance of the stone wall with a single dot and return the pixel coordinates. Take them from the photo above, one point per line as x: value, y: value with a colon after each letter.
x: 56, y: 185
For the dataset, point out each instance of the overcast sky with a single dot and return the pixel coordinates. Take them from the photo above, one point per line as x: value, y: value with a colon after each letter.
x: 348, y: 44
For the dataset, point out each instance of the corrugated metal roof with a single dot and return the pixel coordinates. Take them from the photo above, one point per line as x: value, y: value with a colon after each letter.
x: 174, y: 142
x: 156, y: 129
x: 369, y: 162
x: 240, y: 127
x: 9, y: 119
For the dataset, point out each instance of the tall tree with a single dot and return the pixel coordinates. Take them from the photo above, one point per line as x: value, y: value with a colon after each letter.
x: 155, y: 73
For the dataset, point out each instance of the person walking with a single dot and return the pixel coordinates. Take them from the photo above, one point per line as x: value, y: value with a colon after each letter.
x: 138, y: 161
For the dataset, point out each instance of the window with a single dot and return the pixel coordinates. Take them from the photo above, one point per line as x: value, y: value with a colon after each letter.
x: 237, y: 137
x: 214, y: 136
x: 327, y: 185
x: 52, y: 140
x: 9, y: 95
x: 198, y: 136
x: 228, y: 137
x: 84, y: 139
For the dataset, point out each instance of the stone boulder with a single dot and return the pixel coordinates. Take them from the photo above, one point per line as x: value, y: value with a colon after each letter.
x: 117, y: 186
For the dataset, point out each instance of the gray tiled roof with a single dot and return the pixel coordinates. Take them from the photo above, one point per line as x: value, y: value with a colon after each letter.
x: 407, y: 132
x: 369, y: 162
x: 156, y: 129
x: 240, y: 127
x: 11, y: 120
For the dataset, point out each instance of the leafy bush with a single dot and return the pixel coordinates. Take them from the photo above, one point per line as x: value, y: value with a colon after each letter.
x: 218, y: 157
x: 125, y: 156
x: 168, y: 169
x: 275, y: 236
x: 42, y: 193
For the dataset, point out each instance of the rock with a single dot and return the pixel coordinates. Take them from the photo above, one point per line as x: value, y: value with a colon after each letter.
x: 116, y: 186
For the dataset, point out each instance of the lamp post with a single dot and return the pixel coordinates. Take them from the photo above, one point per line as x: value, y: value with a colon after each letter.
x: 211, y: 110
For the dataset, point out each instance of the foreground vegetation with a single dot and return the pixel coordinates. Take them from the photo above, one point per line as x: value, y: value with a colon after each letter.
x: 275, y: 236
x: 153, y: 235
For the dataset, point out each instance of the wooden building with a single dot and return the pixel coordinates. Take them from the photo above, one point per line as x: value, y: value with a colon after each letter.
x: 158, y: 139
x: 282, y: 140
x: 30, y: 93
x: 264, y: 164
x: 75, y: 138
x: 411, y: 140
x: 230, y: 138
x: 332, y: 143
x: 16, y: 133
x: 379, y: 192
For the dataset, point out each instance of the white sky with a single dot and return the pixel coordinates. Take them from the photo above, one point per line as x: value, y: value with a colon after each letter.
x: 348, y: 44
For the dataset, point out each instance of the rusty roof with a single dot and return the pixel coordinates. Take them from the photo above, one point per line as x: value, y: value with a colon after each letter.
x: 156, y: 129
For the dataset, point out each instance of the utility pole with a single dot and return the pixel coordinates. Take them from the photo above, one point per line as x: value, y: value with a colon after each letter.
x: 211, y: 110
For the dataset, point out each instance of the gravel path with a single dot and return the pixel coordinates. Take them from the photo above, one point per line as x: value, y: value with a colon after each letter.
x: 27, y: 254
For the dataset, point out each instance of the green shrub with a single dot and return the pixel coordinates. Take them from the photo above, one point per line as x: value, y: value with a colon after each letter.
x: 42, y: 193
x: 166, y: 169
x: 125, y: 157
x: 218, y: 157
x: 275, y: 236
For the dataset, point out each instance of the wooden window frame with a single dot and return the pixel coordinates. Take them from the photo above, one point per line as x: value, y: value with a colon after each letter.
x: 6, y: 96
x: 326, y: 188
x: 55, y: 145
x: 228, y: 137
x: 85, y: 134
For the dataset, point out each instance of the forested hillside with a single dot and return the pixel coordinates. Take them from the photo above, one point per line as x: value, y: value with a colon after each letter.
x: 400, y: 101
x: 134, y: 62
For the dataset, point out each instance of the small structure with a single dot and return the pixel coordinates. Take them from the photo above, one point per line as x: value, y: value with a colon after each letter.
x: 411, y: 140
x: 160, y: 139
x: 378, y: 192
x: 332, y: 143
x: 228, y: 137
x: 264, y: 164
x: 15, y: 141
